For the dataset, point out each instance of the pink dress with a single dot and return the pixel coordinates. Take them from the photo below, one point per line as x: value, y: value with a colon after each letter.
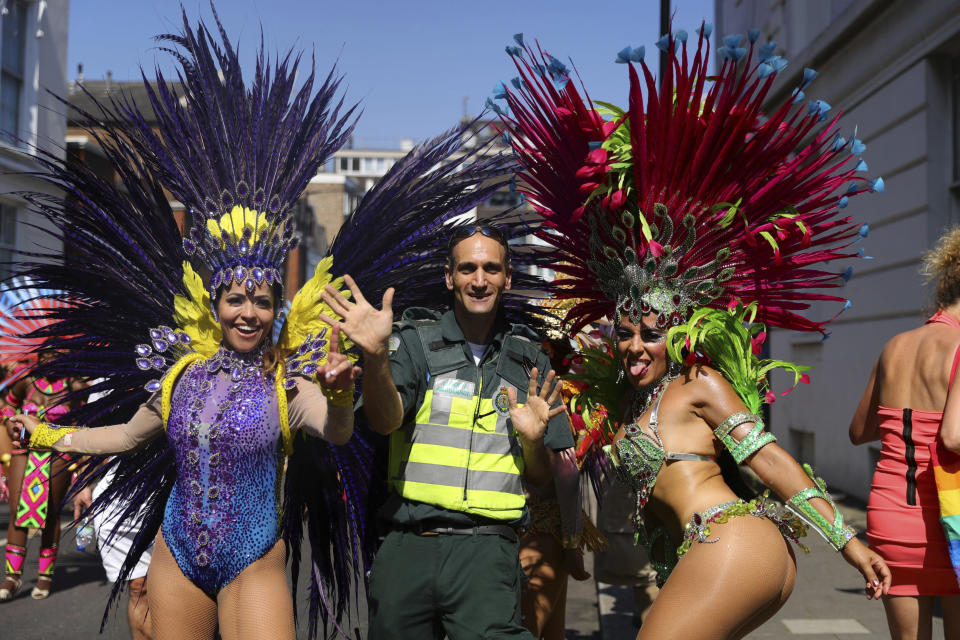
x: 903, y: 512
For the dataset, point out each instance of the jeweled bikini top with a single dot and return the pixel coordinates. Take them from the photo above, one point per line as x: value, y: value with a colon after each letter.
x: 639, y: 456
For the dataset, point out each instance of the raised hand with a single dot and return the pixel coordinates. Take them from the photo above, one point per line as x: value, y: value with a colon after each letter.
x: 366, y: 326
x: 338, y: 372
x: 530, y: 420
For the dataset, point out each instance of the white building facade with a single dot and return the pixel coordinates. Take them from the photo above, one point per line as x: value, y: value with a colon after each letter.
x: 893, y: 68
x: 33, y: 60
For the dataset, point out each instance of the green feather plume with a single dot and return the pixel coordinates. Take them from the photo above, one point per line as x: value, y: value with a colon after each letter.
x: 728, y: 337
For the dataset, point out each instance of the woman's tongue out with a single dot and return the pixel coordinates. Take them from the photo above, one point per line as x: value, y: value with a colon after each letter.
x: 638, y: 368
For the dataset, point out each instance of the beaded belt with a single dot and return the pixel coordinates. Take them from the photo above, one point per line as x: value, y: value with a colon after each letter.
x: 698, y: 529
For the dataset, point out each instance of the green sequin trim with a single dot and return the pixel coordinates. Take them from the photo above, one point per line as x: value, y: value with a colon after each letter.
x: 751, y: 443
x: 698, y: 528
x: 836, y: 533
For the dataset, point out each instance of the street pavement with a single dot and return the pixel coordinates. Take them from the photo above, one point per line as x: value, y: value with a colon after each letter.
x: 827, y: 603
x: 80, y: 592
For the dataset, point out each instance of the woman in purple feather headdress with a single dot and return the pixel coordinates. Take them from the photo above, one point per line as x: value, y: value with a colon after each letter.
x: 205, y: 453
x: 202, y: 400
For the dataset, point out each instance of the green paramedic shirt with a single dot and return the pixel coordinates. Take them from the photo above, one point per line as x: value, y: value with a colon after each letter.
x: 409, y: 368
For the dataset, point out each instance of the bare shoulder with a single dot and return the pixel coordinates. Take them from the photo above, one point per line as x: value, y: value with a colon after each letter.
x: 931, y: 339
x: 703, y: 379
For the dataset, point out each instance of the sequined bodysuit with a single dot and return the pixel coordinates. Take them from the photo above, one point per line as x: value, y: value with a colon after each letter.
x: 637, y: 460
x: 223, y: 511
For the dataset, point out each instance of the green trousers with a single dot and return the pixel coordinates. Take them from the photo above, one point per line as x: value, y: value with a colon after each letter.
x: 464, y: 587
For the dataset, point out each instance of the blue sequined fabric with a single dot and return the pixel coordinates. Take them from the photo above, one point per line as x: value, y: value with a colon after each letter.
x: 223, y: 511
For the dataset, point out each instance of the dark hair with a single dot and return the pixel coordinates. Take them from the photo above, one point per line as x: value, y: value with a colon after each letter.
x: 488, y: 230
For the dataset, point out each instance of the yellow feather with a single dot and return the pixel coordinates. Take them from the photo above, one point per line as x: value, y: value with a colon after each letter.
x: 235, y: 222
x: 192, y: 314
x: 307, y: 305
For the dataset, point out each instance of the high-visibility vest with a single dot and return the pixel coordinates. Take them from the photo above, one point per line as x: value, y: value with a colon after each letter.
x: 461, y: 452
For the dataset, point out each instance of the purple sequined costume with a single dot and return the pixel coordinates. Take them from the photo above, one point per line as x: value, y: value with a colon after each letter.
x: 224, y: 428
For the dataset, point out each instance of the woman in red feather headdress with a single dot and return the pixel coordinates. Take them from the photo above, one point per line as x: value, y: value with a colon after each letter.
x: 690, y: 218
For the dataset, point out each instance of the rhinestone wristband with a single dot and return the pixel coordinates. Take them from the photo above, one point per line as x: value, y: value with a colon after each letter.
x: 46, y: 435
x: 339, y: 397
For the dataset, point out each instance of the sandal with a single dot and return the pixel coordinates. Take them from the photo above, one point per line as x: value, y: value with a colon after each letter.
x: 8, y: 594
x: 38, y: 593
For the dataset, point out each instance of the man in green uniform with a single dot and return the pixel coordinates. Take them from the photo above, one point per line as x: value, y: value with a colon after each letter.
x: 466, y: 400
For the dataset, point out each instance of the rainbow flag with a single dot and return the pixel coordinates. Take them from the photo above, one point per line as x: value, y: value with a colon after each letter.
x: 946, y: 470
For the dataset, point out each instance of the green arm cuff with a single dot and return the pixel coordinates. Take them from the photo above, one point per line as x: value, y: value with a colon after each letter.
x: 836, y: 533
x: 47, y: 435
x: 753, y: 442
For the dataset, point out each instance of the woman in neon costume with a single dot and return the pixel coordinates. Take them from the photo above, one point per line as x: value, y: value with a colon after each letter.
x: 37, y: 480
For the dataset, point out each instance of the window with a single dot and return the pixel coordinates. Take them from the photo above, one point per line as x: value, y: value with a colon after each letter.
x: 14, y: 30
x: 344, y: 163
x: 505, y: 199
x: 802, y: 443
x: 355, y: 164
x: 955, y: 100
x: 8, y: 237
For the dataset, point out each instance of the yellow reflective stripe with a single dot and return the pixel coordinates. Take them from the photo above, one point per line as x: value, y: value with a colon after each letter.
x: 166, y: 388
x: 496, y: 500
x: 504, y: 463
x: 437, y: 454
x: 495, y: 505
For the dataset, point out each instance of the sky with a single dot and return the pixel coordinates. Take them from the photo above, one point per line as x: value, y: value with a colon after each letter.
x: 415, y: 66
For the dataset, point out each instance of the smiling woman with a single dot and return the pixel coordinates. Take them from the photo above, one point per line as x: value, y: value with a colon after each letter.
x: 246, y: 315
x: 207, y: 446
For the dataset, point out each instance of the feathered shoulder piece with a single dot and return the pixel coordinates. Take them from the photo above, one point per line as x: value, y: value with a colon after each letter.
x: 690, y: 196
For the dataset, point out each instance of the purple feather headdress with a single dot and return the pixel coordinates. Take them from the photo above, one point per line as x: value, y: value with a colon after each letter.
x: 238, y: 155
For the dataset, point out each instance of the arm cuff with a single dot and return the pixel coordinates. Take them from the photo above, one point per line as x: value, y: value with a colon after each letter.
x: 339, y: 397
x: 836, y: 533
x: 47, y: 435
x: 751, y: 443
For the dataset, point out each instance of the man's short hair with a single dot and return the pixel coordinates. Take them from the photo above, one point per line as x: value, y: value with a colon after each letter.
x: 468, y: 231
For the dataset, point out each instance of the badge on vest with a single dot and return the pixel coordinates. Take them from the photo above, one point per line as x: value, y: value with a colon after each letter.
x: 454, y: 387
x: 394, y: 343
x: 501, y: 402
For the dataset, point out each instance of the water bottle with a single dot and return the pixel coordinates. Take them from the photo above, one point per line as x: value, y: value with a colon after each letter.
x: 85, y: 534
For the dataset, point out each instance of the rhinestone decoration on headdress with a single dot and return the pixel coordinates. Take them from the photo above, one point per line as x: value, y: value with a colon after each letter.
x: 243, y: 246
x: 656, y: 283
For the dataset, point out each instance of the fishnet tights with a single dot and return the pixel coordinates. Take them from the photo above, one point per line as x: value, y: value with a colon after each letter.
x: 255, y: 605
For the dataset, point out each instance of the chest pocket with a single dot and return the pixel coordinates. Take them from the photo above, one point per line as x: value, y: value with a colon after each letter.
x: 447, y: 393
x: 450, y: 396
x: 517, y: 358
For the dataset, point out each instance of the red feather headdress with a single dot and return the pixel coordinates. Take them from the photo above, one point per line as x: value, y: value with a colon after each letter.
x: 691, y: 196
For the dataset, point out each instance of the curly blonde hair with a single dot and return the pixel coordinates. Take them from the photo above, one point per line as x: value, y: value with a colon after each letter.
x: 942, y: 263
